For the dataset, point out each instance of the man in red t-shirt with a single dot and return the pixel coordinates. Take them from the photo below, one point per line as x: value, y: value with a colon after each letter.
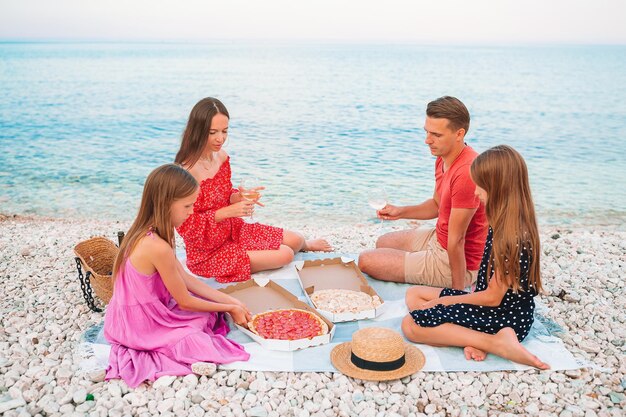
x: 448, y: 255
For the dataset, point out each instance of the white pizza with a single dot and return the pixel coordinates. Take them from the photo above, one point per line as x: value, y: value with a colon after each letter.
x: 344, y: 301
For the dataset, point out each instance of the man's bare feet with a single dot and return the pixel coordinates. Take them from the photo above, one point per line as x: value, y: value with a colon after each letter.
x: 471, y: 353
x: 510, y: 348
x: 317, y: 245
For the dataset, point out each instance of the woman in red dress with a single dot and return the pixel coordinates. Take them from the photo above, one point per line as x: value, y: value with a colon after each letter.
x: 218, y: 242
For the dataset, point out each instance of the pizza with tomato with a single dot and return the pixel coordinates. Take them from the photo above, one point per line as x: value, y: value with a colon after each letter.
x: 287, y: 324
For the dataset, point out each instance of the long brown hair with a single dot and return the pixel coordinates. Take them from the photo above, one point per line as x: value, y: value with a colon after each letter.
x: 502, y: 173
x: 197, y: 131
x: 163, y: 186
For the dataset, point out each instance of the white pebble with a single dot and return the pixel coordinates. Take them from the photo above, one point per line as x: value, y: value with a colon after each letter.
x: 114, y: 390
x: 166, y: 405
x: 233, y: 377
x: 398, y: 387
x: 413, y: 390
x: 257, y: 412
x: 84, y: 407
x: 357, y: 396
x: 11, y: 404
x: 79, y: 396
x: 182, y: 393
x: 279, y: 384
x: 190, y: 380
x: 164, y: 381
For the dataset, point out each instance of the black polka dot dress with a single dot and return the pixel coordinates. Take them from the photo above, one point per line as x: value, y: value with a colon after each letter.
x: 515, y: 310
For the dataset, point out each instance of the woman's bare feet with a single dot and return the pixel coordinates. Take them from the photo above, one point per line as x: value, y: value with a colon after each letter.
x: 471, y: 353
x: 317, y: 245
x: 510, y: 348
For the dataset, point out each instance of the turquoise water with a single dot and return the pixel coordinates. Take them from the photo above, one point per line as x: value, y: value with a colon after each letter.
x: 83, y: 124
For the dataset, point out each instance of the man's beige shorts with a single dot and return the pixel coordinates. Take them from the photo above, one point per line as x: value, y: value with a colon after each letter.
x: 428, y: 264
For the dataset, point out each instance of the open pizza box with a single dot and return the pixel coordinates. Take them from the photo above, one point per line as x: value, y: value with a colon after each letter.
x: 266, y: 295
x: 336, y: 273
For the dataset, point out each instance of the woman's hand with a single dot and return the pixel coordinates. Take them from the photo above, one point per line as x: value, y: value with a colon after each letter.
x: 240, y: 315
x: 256, y: 190
x: 389, y: 212
x: 241, y: 209
x: 237, y: 197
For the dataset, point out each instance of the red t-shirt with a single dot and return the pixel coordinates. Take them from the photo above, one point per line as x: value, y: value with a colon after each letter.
x: 455, y: 189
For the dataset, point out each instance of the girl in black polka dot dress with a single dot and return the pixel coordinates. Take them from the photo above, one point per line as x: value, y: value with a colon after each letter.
x: 498, y: 315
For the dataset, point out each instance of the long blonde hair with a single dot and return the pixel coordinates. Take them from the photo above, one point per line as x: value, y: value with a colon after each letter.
x: 502, y: 173
x: 164, y: 185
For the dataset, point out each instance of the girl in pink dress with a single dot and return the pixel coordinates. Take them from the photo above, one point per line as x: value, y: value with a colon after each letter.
x: 218, y: 242
x: 162, y: 320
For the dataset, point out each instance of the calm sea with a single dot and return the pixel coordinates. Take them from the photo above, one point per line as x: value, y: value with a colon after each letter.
x: 83, y: 124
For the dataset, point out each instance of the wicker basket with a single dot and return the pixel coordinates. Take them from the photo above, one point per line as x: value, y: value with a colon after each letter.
x: 96, y: 256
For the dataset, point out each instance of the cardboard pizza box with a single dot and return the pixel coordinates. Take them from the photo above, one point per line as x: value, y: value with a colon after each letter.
x: 266, y: 295
x: 336, y: 273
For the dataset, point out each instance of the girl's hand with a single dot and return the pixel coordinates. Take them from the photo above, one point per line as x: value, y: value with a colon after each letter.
x: 429, y: 304
x: 389, y: 212
x: 235, y: 301
x: 240, y: 315
x: 434, y: 302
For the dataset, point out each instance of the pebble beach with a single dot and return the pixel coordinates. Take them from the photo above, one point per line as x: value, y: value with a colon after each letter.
x: 44, y: 317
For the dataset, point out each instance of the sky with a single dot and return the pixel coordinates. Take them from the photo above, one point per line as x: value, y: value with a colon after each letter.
x: 418, y: 21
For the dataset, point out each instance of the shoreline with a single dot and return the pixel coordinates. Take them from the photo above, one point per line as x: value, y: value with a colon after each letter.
x: 297, y: 224
x: 610, y: 219
x: 44, y: 316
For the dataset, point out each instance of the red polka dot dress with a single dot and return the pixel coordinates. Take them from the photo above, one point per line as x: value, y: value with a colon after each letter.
x: 219, y: 249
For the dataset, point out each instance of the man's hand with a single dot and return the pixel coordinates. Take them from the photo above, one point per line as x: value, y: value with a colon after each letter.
x: 457, y: 227
x: 424, y: 211
x: 389, y: 212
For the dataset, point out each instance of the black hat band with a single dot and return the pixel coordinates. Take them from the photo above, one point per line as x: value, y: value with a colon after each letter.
x: 377, y: 366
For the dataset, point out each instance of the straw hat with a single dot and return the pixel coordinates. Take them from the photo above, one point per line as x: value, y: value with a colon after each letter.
x: 377, y: 354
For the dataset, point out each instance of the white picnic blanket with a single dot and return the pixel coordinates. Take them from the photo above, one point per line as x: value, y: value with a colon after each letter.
x: 540, y: 341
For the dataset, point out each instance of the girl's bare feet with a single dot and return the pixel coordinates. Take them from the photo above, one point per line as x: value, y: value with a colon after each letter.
x: 471, y: 353
x: 510, y: 348
x: 317, y: 245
